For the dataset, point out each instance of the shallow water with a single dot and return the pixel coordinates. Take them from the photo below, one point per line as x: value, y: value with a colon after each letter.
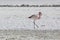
x: 17, y: 17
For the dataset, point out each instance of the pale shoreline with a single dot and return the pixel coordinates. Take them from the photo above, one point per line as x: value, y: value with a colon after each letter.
x: 29, y: 34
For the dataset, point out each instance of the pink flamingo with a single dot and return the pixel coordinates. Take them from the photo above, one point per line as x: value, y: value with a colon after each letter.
x: 35, y: 17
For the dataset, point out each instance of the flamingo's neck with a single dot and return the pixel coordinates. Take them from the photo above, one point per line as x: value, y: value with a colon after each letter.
x: 39, y: 15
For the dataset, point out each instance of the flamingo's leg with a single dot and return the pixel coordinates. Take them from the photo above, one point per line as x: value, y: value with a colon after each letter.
x: 34, y: 24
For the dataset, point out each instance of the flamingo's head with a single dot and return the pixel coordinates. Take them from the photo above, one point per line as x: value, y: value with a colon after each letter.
x: 40, y: 13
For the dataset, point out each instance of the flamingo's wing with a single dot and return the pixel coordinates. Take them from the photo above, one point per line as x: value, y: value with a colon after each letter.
x: 31, y: 16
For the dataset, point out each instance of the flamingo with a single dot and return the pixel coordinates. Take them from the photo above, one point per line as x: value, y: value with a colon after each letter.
x: 35, y: 17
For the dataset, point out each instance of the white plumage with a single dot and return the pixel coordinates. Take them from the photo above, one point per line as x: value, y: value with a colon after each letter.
x: 35, y: 17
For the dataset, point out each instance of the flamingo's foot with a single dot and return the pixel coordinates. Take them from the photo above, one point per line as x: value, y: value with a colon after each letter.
x: 34, y: 27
